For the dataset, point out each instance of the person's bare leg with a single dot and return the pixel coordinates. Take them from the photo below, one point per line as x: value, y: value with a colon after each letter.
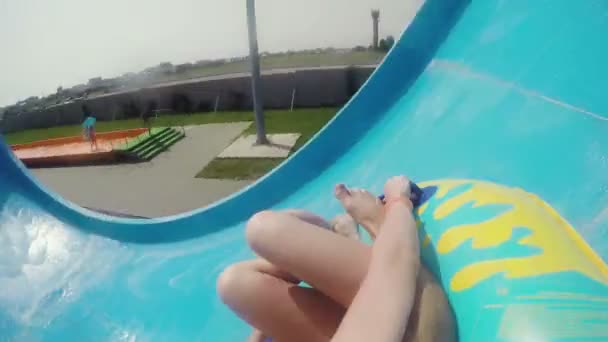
x: 346, y: 226
x: 331, y: 263
x: 431, y: 318
x: 308, y: 217
x: 286, y: 320
x: 383, y: 305
x: 342, y: 224
x: 261, y: 295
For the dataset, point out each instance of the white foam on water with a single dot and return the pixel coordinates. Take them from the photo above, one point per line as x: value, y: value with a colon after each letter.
x: 45, y: 265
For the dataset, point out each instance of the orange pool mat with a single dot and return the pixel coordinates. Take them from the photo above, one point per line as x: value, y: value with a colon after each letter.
x: 74, y: 150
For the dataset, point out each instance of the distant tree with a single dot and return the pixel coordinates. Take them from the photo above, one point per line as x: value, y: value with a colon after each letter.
x: 390, y: 41
x: 386, y: 44
x: 166, y: 68
x: 181, y: 68
x: 59, y: 89
x: 359, y: 48
x: 382, y: 45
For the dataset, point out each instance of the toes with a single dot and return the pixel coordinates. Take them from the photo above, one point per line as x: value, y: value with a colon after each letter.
x: 345, y: 196
x: 357, y: 192
x: 342, y: 193
x: 361, y: 193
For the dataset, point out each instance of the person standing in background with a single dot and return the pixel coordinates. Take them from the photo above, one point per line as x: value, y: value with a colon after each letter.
x: 88, y: 127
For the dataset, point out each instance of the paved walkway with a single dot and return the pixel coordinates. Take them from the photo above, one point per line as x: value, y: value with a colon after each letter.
x: 163, y: 186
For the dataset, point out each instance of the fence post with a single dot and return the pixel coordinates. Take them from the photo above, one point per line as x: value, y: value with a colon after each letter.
x: 217, y: 103
x: 293, y: 98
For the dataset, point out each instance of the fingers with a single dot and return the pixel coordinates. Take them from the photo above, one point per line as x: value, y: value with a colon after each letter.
x: 401, y: 180
x: 397, y: 186
x: 398, y: 181
x: 344, y: 194
x: 359, y: 192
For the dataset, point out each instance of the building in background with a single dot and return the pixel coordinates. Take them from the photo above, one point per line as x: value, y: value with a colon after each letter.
x: 376, y: 20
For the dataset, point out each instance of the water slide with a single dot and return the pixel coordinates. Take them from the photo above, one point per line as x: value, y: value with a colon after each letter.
x: 474, y: 94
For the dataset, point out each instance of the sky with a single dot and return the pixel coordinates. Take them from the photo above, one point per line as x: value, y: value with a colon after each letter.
x: 51, y: 43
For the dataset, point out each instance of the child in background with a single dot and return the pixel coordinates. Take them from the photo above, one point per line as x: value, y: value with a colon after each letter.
x: 88, y: 127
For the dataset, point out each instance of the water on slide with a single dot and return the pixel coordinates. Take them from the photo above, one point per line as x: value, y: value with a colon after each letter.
x: 506, y: 91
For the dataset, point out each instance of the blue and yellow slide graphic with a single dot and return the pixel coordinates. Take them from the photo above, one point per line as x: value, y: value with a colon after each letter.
x: 500, y: 104
x: 513, y: 267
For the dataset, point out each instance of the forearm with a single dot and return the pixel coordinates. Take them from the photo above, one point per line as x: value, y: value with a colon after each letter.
x: 381, y: 308
x: 394, y: 269
x: 397, y: 243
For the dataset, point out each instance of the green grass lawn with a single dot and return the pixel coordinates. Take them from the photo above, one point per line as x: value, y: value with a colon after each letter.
x: 304, y: 121
x: 239, y: 168
x: 106, y: 126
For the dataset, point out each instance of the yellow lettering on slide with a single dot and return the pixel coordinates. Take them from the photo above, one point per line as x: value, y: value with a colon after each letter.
x: 555, y: 244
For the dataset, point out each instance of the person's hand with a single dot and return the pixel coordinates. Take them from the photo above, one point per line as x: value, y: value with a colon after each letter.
x: 396, y: 188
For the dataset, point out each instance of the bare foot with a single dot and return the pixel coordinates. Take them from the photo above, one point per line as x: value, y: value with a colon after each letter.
x: 364, y: 207
x: 345, y: 226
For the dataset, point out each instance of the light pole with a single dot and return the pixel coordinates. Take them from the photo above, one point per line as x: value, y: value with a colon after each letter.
x: 255, y: 74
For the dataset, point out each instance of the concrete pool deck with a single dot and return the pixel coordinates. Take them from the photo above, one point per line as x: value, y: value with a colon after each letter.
x: 161, y: 187
x: 245, y: 146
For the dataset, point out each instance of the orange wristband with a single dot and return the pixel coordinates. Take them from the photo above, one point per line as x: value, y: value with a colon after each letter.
x: 402, y: 199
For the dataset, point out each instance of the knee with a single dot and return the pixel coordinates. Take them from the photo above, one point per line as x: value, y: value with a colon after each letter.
x: 262, y: 229
x: 230, y: 283
x: 308, y: 217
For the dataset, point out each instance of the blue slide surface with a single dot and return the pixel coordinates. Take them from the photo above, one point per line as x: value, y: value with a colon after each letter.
x: 512, y: 92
